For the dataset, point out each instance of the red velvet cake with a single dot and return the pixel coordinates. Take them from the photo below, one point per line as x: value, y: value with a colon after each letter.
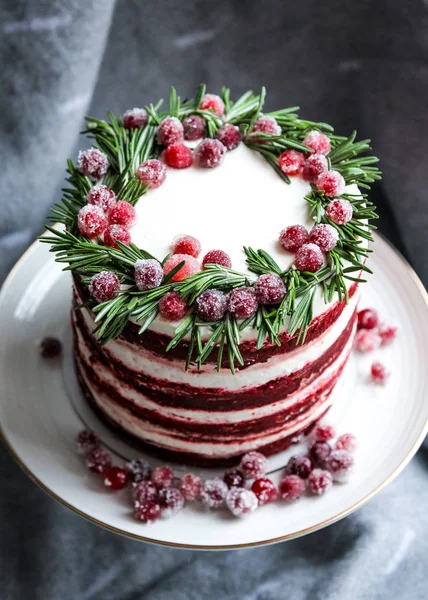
x: 216, y: 253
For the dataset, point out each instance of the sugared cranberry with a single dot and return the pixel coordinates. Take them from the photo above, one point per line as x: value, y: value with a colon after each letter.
x: 143, y: 492
x: 86, y: 441
x: 339, y: 211
x: 148, y: 512
x: 291, y: 488
x: 139, y: 470
x: 102, y: 196
x: 152, y: 173
x: 269, y: 289
x: 331, y: 183
x: 209, y: 154
x: 309, y: 258
x: 50, y: 347
x: 148, y: 273
x: 91, y: 221
x: 367, y: 319
x: 170, y: 131
x: 254, y: 464
x: 266, y: 125
x: 213, y: 492
x: 116, y: 478
x: 213, y: 103
x: 241, y: 502
x: 314, y: 166
x: 291, y: 162
x: 104, y: 286
x: 324, y: 433
x: 242, y: 302
x: 217, y: 257
x: 324, y: 236
x: 190, y: 267
x: 347, y: 441
x: 172, y: 307
x: 319, y: 481
x: 122, y: 213
x: 135, y: 118
x: 211, y: 305
x: 171, y: 501
x: 190, y: 487
x: 178, y: 156
x: 367, y: 340
x: 92, y: 163
x: 234, y: 478
x: 319, y: 451
x: 299, y: 465
x: 162, y: 477
x: 98, y: 460
x: 293, y: 237
x: 116, y: 233
x: 318, y: 142
x: 229, y: 135
x: 186, y: 244
x: 340, y: 464
x: 265, y: 490
x: 194, y: 127
x: 387, y: 333
x: 379, y: 373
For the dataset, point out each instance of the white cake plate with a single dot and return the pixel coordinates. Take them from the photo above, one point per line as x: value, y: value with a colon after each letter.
x: 41, y: 410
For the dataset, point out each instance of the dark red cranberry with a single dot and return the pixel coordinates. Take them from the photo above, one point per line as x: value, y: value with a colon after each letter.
x: 299, y: 465
x: 115, y: 478
x: 234, y: 478
x: 50, y: 347
x: 265, y: 490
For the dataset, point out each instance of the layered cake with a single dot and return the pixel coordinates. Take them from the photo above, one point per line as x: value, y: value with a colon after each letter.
x: 216, y: 252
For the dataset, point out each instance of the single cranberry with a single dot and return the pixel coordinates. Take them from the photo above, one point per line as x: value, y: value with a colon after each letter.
x: 190, y: 267
x: 91, y: 221
x: 194, y: 127
x: 152, y: 173
x: 213, y: 493
x: 148, y: 273
x: 186, y: 244
x: 135, y: 118
x: 319, y: 452
x: 143, y: 492
x: 170, y: 131
x: 309, y: 258
x: 122, y: 213
x: 104, y: 286
x: 324, y: 236
x: 162, y: 476
x: 102, y: 196
x: 50, y: 347
x: 116, y: 233
x: 178, y: 156
x: 379, y: 373
x: 367, y: 319
x: 213, y: 103
x: 98, y: 460
x: 367, y: 340
x: 190, y: 487
x: 172, y: 307
x: 242, y: 302
x: 116, y: 478
x: 229, y: 135
x: 86, y: 441
x: 92, y: 163
x: 318, y: 142
x: 293, y: 237
x: 347, y: 441
x: 340, y: 464
x: 241, y: 502
x: 254, y: 464
x: 291, y: 162
x: 319, y: 481
x: 299, y: 465
x: 217, y: 257
x: 314, y: 166
x: 265, y: 490
x: 291, y: 488
x: 211, y: 305
x: 269, y: 289
x: 324, y: 433
x: 339, y: 211
x: 209, y: 153
x: 171, y: 501
x: 148, y: 512
x: 331, y: 183
x: 234, y: 478
x: 387, y: 333
x: 266, y: 125
x: 139, y: 470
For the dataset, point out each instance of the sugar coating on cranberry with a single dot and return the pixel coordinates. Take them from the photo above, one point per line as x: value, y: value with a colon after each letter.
x: 152, y: 172
x: 92, y: 163
x: 148, y: 512
x: 387, y: 333
x: 139, y: 470
x: 143, y: 492
x: 162, y: 476
x: 234, y: 478
x: 324, y: 236
x: 269, y: 289
x: 253, y: 464
x: 148, y: 273
x: 314, y: 166
x: 178, y: 156
x: 91, y: 221
x: 331, y: 183
x: 319, y: 482
x: 213, y: 492
x: 299, y: 465
x: 379, y: 373
x: 367, y: 319
x: 266, y: 125
x: 291, y: 488
x: 340, y: 211
x: 194, y: 127
x: 122, y: 213
x: 135, y: 118
x: 241, y: 501
x: 209, y: 154
x: 102, y: 196
x: 229, y: 135
x: 86, y: 441
x: 367, y: 340
x: 171, y: 501
x: 104, y: 286
x: 324, y: 432
x: 211, y: 305
x: 242, y: 302
x: 190, y: 486
x: 217, y: 257
x: 340, y: 463
x: 293, y: 237
x: 309, y: 258
x: 172, y: 307
x: 319, y: 451
x: 347, y: 441
x: 98, y: 460
x: 291, y: 162
x: 170, y: 131
x: 116, y: 233
x: 318, y: 142
x: 116, y: 478
x: 213, y: 103
x: 50, y: 347
x: 265, y: 490
x: 190, y: 267
x: 186, y: 244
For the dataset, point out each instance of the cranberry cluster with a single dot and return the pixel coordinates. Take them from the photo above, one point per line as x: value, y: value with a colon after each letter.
x: 371, y: 335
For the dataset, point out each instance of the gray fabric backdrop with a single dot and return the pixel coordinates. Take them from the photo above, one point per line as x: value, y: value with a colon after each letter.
x: 355, y: 64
